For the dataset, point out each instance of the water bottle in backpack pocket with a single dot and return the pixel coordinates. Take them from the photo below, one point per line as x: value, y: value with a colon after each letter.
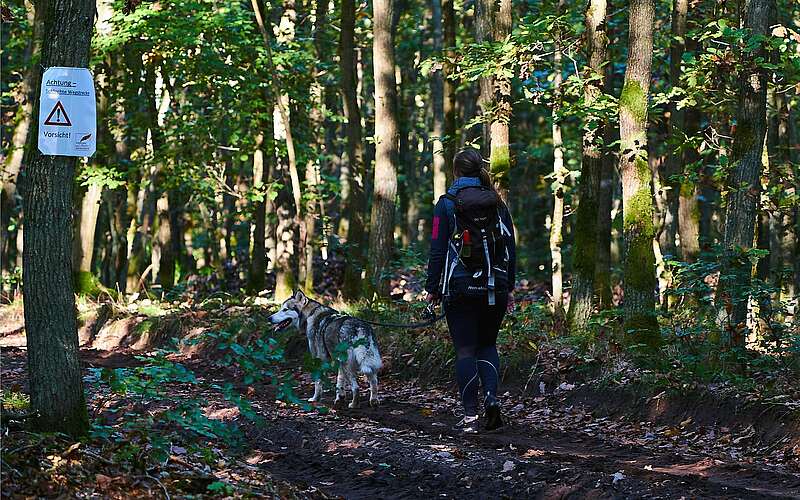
x: 478, y: 259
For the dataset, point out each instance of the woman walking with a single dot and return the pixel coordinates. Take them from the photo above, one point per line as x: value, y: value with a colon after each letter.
x: 471, y: 269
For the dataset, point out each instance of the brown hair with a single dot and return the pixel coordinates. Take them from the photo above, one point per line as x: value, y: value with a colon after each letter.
x: 469, y: 163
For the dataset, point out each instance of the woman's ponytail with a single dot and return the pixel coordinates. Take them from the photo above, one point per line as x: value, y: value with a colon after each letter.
x: 469, y: 163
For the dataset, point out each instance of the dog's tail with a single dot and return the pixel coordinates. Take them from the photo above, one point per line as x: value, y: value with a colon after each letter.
x: 368, y: 358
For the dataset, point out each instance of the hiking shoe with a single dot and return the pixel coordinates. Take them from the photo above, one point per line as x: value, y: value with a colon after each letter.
x: 494, y: 418
x: 468, y: 424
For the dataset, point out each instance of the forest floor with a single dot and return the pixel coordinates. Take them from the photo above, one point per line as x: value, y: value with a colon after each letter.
x: 566, y: 438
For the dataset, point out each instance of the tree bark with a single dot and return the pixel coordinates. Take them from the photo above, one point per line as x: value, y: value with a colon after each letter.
x: 502, y: 111
x: 449, y: 88
x: 83, y: 247
x: 437, y: 101
x: 228, y: 209
x: 356, y: 205
x: 148, y: 195
x: 688, y: 208
x: 673, y: 166
x: 744, y: 181
x: 386, y: 147
x: 56, y: 388
x: 281, y: 103
x: 582, y: 302
x: 484, y: 16
x: 559, y: 178
x: 781, y: 232
x: 13, y: 162
x: 262, y: 173
x: 637, y: 200
x: 163, y: 247
x: 608, y: 185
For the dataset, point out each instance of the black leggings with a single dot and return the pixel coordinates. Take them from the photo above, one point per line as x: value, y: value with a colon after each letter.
x: 473, y: 325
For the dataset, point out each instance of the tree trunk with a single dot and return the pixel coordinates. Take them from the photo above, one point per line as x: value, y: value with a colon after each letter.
x: 281, y: 103
x: 559, y: 178
x: 407, y: 225
x: 484, y: 14
x: 148, y: 194
x: 587, y: 234
x: 285, y: 248
x: 228, y: 210
x: 637, y: 199
x: 8, y: 177
x: 262, y: 173
x: 673, y: 166
x: 744, y: 182
x: 163, y: 248
x: 356, y: 205
x: 781, y: 231
x: 449, y: 97
x: 688, y: 208
x: 608, y: 185
x: 56, y: 388
x: 83, y: 248
x: 386, y: 147
x: 437, y: 101
x: 500, y: 157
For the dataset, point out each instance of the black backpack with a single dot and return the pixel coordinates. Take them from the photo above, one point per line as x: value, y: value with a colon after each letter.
x: 480, y: 265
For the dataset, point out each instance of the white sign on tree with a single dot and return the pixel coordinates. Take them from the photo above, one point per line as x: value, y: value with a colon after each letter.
x: 67, y: 112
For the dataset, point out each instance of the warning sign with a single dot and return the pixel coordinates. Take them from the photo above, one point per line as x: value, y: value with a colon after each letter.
x: 67, y: 112
x: 58, y: 116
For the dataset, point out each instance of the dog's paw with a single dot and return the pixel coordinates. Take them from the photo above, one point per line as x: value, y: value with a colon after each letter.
x: 353, y: 405
x: 312, y: 399
x: 375, y: 402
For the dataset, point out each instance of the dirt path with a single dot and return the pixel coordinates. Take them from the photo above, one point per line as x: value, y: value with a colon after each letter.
x: 407, y: 449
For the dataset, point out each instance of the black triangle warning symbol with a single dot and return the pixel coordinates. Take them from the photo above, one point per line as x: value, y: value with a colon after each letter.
x: 58, y: 116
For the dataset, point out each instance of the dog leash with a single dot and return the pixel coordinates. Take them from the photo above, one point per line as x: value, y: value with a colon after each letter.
x: 429, y: 311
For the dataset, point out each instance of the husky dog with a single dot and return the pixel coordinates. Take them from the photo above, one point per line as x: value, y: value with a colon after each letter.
x: 325, y: 329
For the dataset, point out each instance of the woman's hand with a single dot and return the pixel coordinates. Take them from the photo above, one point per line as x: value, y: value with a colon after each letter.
x: 432, y: 298
x: 511, y: 303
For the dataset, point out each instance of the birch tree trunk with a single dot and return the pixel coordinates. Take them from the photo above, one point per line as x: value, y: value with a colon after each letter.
x: 559, y: 177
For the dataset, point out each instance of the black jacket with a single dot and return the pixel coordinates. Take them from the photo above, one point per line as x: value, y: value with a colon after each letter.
x: 442, y: 230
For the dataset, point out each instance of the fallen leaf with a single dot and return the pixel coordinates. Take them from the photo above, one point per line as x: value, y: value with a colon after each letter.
x: 71, y: 449
x: 508, y: 466
x: 533, y: 453
x: 103, y: 481
x: 617, y: 477
x: 366, y: 472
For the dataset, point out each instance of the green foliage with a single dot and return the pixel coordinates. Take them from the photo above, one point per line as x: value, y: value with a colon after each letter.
x: 15, y: 400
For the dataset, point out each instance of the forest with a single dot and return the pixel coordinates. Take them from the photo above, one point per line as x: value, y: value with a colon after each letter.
x: 648, y: 152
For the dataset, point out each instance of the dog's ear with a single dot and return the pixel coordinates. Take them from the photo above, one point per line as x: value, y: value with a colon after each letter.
x: 300, y: 297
